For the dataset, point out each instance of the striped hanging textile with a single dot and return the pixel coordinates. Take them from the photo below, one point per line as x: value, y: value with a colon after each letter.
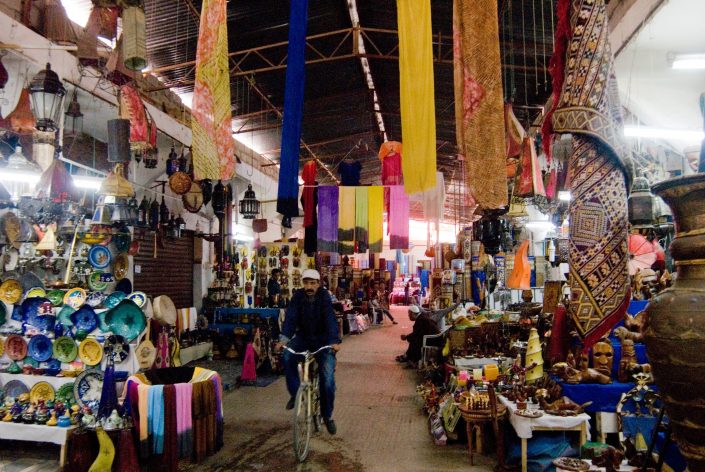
x: 328, y: 218
x: 346, y: 220
x: 212, y: 148
x: 479, y: 107
x: 398, y: 218
x: 287, y: 197
x: 375, y: 217
x: 361, y: 205
x: 416, y: 94
x: 599, y: 168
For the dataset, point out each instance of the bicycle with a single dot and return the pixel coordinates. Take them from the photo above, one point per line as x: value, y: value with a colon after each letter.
x: 307, y: 406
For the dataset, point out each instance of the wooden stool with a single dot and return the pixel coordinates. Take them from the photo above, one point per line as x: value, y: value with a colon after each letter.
x: 475, y: 419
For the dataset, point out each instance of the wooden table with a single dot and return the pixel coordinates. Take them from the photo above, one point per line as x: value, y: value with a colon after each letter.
x: 477, y: 418
x: 38, y: 433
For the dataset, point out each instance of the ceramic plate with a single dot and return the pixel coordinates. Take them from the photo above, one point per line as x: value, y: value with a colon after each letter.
x: 15, y: 388
x: 88, y: 387
x: 122, y: 242
x: 30, y: 362
x: 31, y: 280
x: 38, y: 312
x: 65, y: 315
x: 113, y: 299
x: 56, y: 297
x: 10, y: 291
x: 124, y: 286
x: 138, y: 297
x: 90, y: 351
x: 15, y: 347
x: 40, y: 348
x: 121, y: 265
x: 99, y: 257
x: 95, y: 299
x: 36, y: 292
x: 126, y: 319
x: 41, y: 391
x: 65, y: 394
x: 75, y: 297
x: 96, y: 282
x: 116, y: 347
x: 85, y: 318
x: 134, y: 248
x: 65, y: 349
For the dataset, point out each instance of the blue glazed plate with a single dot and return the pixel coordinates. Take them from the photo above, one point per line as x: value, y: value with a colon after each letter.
x: 15, y: 388
x: 36, y: 312
x: 126, y: 319
x: 85, y: 318
x: 40, y: 348
x: 99, y: 257
x: 113, y: 299
x: 88, y: 387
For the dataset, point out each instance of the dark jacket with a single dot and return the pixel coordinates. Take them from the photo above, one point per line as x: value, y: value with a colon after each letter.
x: 311, y: 320
x: 273, y: 288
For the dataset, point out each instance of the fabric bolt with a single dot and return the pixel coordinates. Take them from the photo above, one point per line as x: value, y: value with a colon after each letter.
x: 171, y: 448
x: 600, y: 171
x: 346, y: 220
x: 416, y: 95
x: 434, y: 199
x: 308, y: 175
x: 155, y: 407
x: 143, y: 132
x: 375, y: 216
x: 349, y: 172
x: 219, y: 425
x: 143, y: 405
x: 392, y: 169
x: 361, y: 228
x: 514, y: 134
x: 398, y: 218
x: 125, y: 455
x: 311, y: 231
x: 328, y: 218
x: 184, y: 432
x: 389, y: 147
x: 200, y: 420
x: 479, y: 105
x: 212, y: 150
x: 529, y: 181
x: 288, y: 194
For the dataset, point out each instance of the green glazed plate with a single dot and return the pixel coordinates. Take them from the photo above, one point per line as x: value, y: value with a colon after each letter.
x: 95, y: 283
x: 56, y: 297
x: 65, y: 349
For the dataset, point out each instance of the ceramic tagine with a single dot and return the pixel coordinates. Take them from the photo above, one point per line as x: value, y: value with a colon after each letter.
x: 65, y: 420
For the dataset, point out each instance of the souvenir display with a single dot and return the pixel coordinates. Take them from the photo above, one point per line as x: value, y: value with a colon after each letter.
x: 95, y: 299
x: 124, y: 286
x: 30, y: 280
x: 41, y: 391
x: 90, y: 352
x: 193, y: 199
x: 56, y: 297
x: 122, y: 242
x: 36, y: 292
x: 3, y: 314
x: 64, y: 316
x: 164, y: 310
x: 75, y: 297
x: 87, y: 388
x: 15, y: 347
x: 65, y: 394
x: 65, y: 349
x: 40, y: 348
x: 99, y: 257
x: 126, y: 319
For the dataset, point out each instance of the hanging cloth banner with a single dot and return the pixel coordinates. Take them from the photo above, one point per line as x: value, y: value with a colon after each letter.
x: 346, y: 220
x: 361, y: 205
x: 479, y: 107
x: 212, y: 148
x: 599, y: 170
x: 398, y: 218
x: 308, y: 175
x: 416, y: 94
x: 328, y: 219
x: 288, y: 194
x: 375, y: 217
x: 529, y: 182
x: 434, y: 199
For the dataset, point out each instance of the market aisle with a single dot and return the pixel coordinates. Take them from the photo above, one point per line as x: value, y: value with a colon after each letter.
x: 380, y: 423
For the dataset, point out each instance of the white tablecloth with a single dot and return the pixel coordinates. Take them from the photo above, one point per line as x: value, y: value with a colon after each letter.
x: 524, y: 426
x: 35, y: 432
x: 191, y: 353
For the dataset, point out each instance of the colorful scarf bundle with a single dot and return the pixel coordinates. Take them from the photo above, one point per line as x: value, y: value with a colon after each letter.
x: 375, y: 216
x: 288, y: 194
x: 328, y: 219
x: 479, y: 107
x: 346, y: 220
x: 212, y: 149
x: 398, y: 218
x: 599, y: 167
x: 416, y: 94
x: 155, y: 407
x: 361, y: 205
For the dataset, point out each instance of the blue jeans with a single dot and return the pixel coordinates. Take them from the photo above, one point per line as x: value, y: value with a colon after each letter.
x: 326, y: 374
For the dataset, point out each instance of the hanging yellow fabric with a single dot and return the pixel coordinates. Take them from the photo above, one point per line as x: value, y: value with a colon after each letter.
x: 346, y: 220
x: 213, y: 150
x: 416, y: 95
x: 375, y: 209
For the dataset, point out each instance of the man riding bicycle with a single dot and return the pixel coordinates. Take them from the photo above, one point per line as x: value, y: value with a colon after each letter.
x: 309, y: 324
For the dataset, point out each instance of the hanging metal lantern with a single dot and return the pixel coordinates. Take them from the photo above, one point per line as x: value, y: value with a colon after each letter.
x: 134, y: 45
x: 46, y: 95
x: 119, y: 140
x: 74, y: 112
x: 220, y: 199
x: 180, y: 226
x: 114, y: 196
x: 151, y: 159
x: 183, y: 162
x: 154, y: 215
x: 143, y: 212
x: 163, y: 212
x: 249, y: 205
x: 207, y: 190
x: 172, y: 163
x: 641, y: 204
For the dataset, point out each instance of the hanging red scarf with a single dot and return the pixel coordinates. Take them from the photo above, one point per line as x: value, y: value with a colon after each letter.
x: 308, y: 175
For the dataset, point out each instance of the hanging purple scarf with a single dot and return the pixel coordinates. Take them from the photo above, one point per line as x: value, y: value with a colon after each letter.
x: 398, y: 218
x: 287, y: 198
x: 328, y: 219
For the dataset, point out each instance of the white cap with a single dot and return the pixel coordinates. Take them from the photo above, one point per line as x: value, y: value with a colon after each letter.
x: 415, y: 309
x: 310, y: 274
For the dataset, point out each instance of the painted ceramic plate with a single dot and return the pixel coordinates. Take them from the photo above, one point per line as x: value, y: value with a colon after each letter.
x: 36, y: 292
x: 134, y: 248
x: 40, y: 348
x: 99, y: 257
x: 85, y: 318
x: 11, y: 291
x: 65, y: 315
x: 116, y: 347
x: 113, y: 299
x: 95, y: 299
x: 122, y: 242
x: 65, y: 349
x: 124, y: 286
x: 56, y: 297
x: 140, y: 298
x: 15, y: 388
x: 38, y: 312
x: 75, y: 298
x: 96, y: 282
x: 121, y: 265
x: 126, y: 319
x: 88, y: 387
x: 29, y: 361
x: 15, y: 347
x: 90, y: 351
x: 41, y: 391
x: 65, y: 394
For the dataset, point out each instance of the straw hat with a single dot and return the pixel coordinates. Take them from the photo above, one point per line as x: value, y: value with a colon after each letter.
x: 164, y: 310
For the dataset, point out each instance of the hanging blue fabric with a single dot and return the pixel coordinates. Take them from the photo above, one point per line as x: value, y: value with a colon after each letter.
x: 288, y: 196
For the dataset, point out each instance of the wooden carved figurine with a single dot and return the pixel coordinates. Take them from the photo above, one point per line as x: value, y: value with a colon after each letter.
x: 602, y: 357
x: 628, y: 364
x: 634, y: 327
x: 610, y: 459
x: 580, y: 373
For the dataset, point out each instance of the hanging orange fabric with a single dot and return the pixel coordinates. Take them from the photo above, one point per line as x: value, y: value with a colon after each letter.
x: 530, y: 181
x: 521, y: 274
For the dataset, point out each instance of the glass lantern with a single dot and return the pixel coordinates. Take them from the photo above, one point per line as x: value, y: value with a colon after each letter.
x: 46, y: 97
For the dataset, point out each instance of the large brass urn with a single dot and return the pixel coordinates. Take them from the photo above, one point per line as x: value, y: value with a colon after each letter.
x: 675, y: 338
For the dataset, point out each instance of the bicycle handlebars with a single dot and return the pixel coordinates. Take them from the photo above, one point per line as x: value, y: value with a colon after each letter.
x: 308, y: 353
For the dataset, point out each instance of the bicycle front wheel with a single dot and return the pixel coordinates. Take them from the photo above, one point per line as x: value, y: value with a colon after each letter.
x: 302, y: 421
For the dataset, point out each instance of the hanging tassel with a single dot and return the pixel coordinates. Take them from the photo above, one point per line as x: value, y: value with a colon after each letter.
x: 108, y: 395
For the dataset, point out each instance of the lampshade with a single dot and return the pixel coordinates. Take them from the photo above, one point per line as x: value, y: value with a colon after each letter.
x: 118, y: 140
x: 640, y: 203
x: 74, y: 112
x: 46, y: 95
x: 48, y: 241
x: 134, y: 48
x: 19, y: 176
x: 116, y: 185
x: 249, y: 206
x: 43, y: 148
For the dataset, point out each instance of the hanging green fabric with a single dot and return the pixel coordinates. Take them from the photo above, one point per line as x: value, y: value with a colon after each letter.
x: 375, y: 209
x: 416, y: 95
x: 361, y: 228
